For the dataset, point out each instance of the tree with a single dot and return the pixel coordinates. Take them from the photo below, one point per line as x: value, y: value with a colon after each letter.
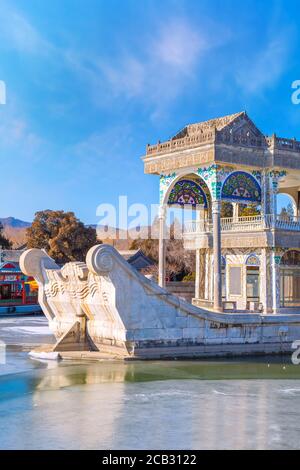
x: 245, y: 210
x: 248, y: 210
x: 287, y: 212
x: 290, y: 209
x: 179, y: 262
x: 62, y: 235
x: 4, y: 242
x: 226, y: 209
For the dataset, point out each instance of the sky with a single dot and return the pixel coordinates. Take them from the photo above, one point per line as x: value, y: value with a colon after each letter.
x: 90, y: 82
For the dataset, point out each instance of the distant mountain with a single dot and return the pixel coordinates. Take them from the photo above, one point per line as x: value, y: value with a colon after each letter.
x: 15, y: 223
x: 15, y: 230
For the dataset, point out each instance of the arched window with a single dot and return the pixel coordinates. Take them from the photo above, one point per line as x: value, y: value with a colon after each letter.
x: 241, y: 186
x: 252, y: 260
x: 290, y: 258
x: 187, y: 192
x: 286, y: 206
x: 252, y: 279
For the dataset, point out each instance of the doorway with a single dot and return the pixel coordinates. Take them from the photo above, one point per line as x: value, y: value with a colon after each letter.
x: 252, y: 284
x: 5, y: 292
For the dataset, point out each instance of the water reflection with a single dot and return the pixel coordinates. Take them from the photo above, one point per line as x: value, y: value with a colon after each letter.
x: 163, y: 405
x: 45, y: 375
x: 59, y: 377
x: 151, y: 405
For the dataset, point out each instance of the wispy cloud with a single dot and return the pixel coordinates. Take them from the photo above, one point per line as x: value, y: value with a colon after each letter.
x: 156, y: 72
x: 17, y: 134
x: 159, y: 72
x: 18, y: 33
x: 153, y: 69
x: 100, y: 146
x: 174, y: 47
x: 94, y: 156
x: 179, y: 44
x: 265, y: 67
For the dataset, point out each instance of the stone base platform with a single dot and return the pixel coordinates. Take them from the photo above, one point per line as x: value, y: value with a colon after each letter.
x: 167, y: 353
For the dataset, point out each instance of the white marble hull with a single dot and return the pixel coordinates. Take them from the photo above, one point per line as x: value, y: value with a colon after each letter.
x: 106, y: 306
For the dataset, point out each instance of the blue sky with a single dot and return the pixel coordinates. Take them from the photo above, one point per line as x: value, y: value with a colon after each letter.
x: 91, y: 82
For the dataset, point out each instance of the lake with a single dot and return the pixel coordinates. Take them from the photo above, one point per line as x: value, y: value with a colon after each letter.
x: 252, y: 403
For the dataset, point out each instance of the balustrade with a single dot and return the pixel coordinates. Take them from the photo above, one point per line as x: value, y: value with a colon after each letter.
x: 246, y: 224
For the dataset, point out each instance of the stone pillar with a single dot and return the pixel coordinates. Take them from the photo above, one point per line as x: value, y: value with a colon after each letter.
x: 264, y: 193
x: 235, y: 211
x: 275, y: 282
x: 197, y: 277
x: 273, y: 195
x: 200, y: 212
x: 207, y: 267
x: 274, y: 199
x: 216, y: 207
x: 265, y: 281
x: 162, y: 246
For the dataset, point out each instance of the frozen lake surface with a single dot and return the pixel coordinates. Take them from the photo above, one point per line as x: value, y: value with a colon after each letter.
x: 222, y: 404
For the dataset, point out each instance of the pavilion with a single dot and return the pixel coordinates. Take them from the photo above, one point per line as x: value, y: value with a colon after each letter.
x: 243, y: 263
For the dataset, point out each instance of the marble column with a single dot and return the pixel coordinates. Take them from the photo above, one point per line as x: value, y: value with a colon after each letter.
x: 265, y: 281
x: 274, y: 198
x: 216, y: 209
x: 162, y: 246
x: 273, y: 182
x: 197, y: 277
x: 207, y: 266
x: 264, y: 193
x: 200, y: 212
x: 200, y: 217
x: 275, y: 282
x: 235, y: 211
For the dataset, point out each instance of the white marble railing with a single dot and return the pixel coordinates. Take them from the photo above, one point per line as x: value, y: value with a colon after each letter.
x: 287, y: 223
x: 245, y: 224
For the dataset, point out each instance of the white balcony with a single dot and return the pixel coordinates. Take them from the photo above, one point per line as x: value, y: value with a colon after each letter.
x: 245, y: 224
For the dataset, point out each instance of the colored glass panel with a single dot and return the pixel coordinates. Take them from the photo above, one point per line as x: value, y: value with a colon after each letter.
x: 187, y: 192
x: 241, y: 186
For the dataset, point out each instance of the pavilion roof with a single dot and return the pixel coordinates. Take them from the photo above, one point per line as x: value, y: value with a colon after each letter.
x: 218, y: 123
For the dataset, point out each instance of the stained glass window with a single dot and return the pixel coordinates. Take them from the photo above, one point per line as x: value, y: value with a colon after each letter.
x: 252, y: 260
x: 241, y: 186
x: 187, y: 192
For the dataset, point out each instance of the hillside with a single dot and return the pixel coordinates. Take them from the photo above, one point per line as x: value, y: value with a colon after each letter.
x: 15, y: 230
x: 14, y: 223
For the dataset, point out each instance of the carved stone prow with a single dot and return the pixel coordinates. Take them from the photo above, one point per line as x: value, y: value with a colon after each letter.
x: 37, y: 263
x: 34, y: 262
x: 76, y: 338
